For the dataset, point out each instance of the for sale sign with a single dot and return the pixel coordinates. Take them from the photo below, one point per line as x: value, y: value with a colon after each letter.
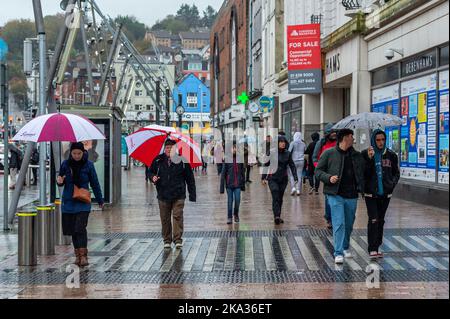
x: 304, y: 59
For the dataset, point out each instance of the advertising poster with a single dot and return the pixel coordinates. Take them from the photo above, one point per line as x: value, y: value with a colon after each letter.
x: 386, y: 100
x: 419, y: 128
x: 304, y: 59
x: 96, y: 153
x: 443, y: 176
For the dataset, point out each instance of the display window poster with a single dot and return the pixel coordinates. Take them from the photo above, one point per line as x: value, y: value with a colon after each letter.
x: 386, y: 100
x: 419, y: 128
x: 96, y: 154
x: 443, y: 171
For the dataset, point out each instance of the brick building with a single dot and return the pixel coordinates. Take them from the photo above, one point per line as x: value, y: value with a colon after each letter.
x: 229, y: 65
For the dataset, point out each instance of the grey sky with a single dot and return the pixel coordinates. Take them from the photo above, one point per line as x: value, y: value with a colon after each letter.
x: 147, y: 11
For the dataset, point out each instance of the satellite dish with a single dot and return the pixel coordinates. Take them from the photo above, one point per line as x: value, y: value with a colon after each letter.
x: 178, y: 58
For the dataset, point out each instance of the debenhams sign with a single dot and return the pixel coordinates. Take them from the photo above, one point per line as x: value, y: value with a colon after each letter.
x: 419, y: 64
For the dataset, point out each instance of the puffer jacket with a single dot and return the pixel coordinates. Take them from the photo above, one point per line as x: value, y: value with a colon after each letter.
x: 88, y: 176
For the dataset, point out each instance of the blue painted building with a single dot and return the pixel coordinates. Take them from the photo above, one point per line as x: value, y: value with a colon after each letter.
x: 196, y: 100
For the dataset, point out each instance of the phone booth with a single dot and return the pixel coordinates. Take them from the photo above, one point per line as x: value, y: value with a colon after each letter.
x: 105, y: 154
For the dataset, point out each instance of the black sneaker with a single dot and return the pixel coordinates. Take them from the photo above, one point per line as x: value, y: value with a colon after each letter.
x: 236, y: 218
x: 277, y: 221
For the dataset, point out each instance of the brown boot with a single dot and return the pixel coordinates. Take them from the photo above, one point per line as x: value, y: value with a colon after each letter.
x: 83, y: 257
x: 77, y: 257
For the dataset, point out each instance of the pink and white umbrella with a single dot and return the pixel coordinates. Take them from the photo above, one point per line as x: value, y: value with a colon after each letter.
x: 59, y: 127
x: 147, y: 143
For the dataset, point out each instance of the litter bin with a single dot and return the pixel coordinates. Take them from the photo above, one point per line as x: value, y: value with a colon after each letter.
x: 46, y: 230
x: 60, y: 238
x: 28, y: 237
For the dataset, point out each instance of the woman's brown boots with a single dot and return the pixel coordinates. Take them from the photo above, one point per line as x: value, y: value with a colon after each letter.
x: 81, y: 259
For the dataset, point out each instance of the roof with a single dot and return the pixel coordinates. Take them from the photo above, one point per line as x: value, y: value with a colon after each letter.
x: 195, y: 35
x: 161, y: 34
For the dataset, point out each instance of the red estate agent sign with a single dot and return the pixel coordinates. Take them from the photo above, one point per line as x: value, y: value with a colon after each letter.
x: 304, y: 59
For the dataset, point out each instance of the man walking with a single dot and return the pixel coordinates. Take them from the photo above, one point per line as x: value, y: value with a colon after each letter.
x: 15, y: 162
x: 381, y: 176
x: 327, y: 142
x: 297, y: 149
x: 171, y: 174
x: 314, y: 182
x: 341, y: 169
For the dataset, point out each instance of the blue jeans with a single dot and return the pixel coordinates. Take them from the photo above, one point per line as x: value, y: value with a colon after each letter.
x: 327, y: 215
x: 234, y: 196
x: 343, y: 212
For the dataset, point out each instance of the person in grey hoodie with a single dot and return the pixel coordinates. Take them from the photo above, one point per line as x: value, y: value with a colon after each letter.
x: 297, y: 149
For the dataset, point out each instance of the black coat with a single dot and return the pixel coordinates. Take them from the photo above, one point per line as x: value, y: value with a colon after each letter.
x: 285, y: 162
x: 391, y: 173
x: 173, y: 179
x: 233, y: 176
x: 15, y: 160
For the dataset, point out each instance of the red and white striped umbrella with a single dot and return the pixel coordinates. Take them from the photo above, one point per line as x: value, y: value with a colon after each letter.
x: 147, y: 143
x: 59, y: 127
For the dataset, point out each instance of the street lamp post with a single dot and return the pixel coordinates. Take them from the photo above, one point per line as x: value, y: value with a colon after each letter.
x: 180, y: 110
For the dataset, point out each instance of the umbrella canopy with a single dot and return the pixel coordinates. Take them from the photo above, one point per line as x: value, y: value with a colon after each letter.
x: 147, y: 143
x: 59, y: 127
x: 368, y: 120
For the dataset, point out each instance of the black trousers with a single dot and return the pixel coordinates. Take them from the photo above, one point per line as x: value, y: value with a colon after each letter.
x: 376, y: 209
x: 247, y: 173
x: 75, y: 225
x: 277, y: 188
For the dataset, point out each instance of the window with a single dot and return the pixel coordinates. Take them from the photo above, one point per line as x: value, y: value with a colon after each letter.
x: 138, y: 93
x: 233, y: 57
x: 137, y: 107
x: 443, y: 56
x: 192, y: 100
x: 149, y: 107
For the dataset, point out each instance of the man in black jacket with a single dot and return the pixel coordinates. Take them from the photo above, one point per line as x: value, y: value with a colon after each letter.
x: 341, y: 169
x: 381, y: 175
x: 171, y: 174
x: 15, y: 162
x: 276, y: 175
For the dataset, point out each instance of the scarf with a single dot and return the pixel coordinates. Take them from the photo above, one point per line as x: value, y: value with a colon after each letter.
x: 76, y: 167
x: 379, y: 161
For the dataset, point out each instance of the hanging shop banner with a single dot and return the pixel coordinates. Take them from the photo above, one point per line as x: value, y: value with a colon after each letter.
x: 418, y: 135
x: 304, y: 59
x: 386, y: 100
x: 443, y: 172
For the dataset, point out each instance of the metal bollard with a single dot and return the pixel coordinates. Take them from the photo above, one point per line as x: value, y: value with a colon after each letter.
x: 46, y: 230
x: 28, y: 238
x: 60, y: 238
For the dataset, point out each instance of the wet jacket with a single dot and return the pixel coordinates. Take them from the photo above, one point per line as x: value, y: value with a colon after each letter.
x: 297, y: 148
x: 331, y: 164
x: 233, y: 176
x: 88, y: 176
x: 15, y: 161
x: 285, y: 162
x: 310, y: 150
x: 391, y: 173
x: 173, y: 179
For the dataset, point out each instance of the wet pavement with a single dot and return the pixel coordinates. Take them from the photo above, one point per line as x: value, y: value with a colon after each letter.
x: 252, y: 259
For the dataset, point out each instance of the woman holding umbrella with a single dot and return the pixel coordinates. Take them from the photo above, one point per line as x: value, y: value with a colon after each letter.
x: 76, y: 174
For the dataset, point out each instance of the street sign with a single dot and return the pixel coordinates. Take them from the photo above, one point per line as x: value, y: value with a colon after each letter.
x: 266, y: 103
x: 254, y: 107
x: 3, y: 49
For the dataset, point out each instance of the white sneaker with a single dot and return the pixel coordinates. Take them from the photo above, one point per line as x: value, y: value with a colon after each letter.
x: 348, y: 254
x: 167, y: 246
x: 339, y: 260
x: 293, y: 191
x: 179, y: 245
x: 298, y: 193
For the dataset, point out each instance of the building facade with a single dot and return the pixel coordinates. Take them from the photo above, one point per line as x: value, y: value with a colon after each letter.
x: 194, y: 96
x: 229, y: 49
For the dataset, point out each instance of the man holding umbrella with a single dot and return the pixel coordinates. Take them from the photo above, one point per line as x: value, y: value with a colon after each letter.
x: 171, y: 174
x: 381, y: 176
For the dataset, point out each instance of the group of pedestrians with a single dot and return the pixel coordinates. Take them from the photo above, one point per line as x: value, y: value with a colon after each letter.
x: 333, y: 161
x: 15, y: 163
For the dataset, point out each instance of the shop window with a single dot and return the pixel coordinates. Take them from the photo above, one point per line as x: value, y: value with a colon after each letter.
x: 443, y: 56
x: 385, y: 75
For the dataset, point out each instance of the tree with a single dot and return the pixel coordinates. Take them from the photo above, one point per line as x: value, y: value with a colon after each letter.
x: 171, y: 24
x: 133, y: 29
x: 189, y: 15
x: 209, y: 16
